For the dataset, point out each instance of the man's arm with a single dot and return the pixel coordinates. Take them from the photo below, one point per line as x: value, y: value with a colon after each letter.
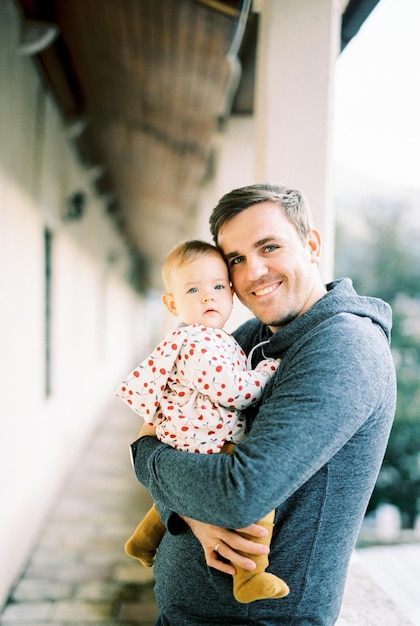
x: 230, y: 543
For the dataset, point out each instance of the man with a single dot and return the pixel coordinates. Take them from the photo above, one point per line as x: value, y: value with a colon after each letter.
x: 315, y: 445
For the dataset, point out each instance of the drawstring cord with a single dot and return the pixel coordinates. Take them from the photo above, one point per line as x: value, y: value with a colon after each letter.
x: 251, y: 354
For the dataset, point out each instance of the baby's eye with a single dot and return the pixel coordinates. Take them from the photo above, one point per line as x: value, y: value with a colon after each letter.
x: 192, y: 290
x: 219, y: 287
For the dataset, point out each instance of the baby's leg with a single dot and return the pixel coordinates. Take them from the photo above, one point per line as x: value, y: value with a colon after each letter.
x: 258, y: 584
x: 145, y: 540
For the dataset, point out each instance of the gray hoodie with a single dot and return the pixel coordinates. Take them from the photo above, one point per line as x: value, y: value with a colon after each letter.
x: 313, y: 452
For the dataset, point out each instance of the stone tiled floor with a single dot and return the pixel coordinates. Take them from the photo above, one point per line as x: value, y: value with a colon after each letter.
x: 78, y: 572
x: 397, y: 569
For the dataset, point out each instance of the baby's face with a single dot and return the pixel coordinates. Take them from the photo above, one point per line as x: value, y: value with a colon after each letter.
x: 202, y: 293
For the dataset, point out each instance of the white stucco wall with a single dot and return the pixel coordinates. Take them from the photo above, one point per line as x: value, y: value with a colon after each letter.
x: 98, y: 326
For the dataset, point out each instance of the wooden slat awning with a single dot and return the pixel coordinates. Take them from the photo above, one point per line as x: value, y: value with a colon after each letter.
x: 146, y: 84
x: 150, y: 80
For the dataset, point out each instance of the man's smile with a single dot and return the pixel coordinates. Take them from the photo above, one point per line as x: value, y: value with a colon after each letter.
x: 264, y: 291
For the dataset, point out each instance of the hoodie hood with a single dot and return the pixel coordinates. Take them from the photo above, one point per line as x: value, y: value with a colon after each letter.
x: 341, y: 297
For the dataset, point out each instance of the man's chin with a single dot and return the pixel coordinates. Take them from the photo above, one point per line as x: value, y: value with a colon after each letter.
x: 274, y: 320
x: 265, y: 313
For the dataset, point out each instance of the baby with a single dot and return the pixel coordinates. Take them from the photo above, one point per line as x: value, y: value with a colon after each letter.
x: 193, y: 388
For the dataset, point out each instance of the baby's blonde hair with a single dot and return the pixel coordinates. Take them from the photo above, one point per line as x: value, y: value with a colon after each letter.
x: 182, y: 254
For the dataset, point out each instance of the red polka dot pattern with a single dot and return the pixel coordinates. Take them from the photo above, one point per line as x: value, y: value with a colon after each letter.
x: 194, y: 395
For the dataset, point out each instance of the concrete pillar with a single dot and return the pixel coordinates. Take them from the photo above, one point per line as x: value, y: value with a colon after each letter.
x: 298, y: 43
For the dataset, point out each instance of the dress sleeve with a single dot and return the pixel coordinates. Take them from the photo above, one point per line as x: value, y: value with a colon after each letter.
x: 143, y: 387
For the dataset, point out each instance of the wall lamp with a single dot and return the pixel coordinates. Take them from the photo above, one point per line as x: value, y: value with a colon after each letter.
x: 36, y: 36
x: 75, y: 207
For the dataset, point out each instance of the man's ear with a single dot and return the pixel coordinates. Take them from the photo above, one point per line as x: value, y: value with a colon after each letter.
x: 314, y: 243
x: 169, y: 301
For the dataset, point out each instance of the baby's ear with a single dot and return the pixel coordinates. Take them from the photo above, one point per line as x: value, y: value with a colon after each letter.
x: 169, y: 301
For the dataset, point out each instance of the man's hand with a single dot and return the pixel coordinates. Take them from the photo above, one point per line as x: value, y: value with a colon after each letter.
x: 229, y: 544
x: 147, y: 430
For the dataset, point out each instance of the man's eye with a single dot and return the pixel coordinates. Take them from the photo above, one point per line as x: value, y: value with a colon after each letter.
x: 236, y: 260
x: 270, y: 248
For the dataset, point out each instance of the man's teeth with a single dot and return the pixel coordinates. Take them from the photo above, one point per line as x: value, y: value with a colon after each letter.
x: 265, y: 291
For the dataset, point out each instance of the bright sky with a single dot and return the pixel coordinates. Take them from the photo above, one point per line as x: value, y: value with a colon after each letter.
x: 377, y: 101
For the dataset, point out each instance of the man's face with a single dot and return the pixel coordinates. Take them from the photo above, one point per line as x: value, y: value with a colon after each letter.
x: 273, y: 271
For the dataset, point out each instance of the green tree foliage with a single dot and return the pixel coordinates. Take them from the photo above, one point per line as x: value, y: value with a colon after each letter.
x: 382, y: 256
x: 399, y: 480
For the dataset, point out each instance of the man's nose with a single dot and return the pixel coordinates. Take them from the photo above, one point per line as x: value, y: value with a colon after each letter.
x: 256, y: 267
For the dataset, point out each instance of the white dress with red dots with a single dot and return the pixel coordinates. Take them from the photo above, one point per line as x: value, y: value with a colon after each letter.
x: 193, y: 388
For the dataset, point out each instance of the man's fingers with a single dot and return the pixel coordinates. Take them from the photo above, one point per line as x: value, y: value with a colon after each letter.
x: 236, y: 558
x: 147, y: 430
x: 255, y: 530
x: 212, y: 560
x: 250, y: 546
x: 221, y: 543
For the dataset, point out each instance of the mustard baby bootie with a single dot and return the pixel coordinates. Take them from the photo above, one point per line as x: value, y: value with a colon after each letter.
x: 258, y: 584
x: 145, y: 540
